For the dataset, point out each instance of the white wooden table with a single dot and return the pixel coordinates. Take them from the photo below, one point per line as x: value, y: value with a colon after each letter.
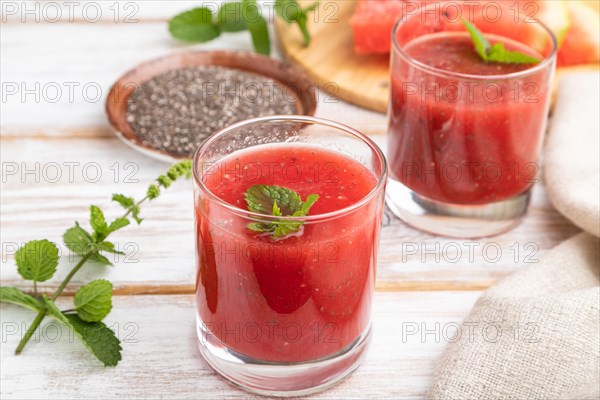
x: 55, y: 76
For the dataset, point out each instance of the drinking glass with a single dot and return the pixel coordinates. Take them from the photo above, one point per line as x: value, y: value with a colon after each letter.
x: 464, y: 147
x: 287, y: 316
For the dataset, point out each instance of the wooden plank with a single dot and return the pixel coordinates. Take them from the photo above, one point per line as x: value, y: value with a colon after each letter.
x: 98, y: 12
x: 162, y: 248
x: 66, y: 97
x: 161, y: 358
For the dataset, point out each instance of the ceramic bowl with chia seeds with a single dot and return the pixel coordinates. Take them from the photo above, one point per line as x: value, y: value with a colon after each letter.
x: 167, y: 107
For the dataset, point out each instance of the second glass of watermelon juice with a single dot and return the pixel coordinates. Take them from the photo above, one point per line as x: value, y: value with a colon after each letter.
x: 287, y: 315
x: 465, y: 135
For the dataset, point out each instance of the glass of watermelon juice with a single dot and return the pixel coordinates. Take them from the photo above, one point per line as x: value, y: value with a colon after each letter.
x: 465, y: 135
x: 287, y: 314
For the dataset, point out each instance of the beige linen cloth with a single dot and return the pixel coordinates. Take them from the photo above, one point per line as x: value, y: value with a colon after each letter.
x: 536, y: 334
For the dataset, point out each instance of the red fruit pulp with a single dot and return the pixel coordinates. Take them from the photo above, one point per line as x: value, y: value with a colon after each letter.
x: 465, y: 140
x: 300, y: 298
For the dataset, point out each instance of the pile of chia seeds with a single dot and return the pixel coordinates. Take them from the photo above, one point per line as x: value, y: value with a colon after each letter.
x: 177, y: 110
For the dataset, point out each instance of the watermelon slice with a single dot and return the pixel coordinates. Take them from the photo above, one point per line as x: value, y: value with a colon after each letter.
x: 373, y: 21
x: 372, y: 24
x: 582, y: 42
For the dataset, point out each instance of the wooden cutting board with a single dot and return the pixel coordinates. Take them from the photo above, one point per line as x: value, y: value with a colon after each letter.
x: 330, y: 61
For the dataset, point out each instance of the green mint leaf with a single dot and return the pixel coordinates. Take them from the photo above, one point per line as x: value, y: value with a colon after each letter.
x: 98, y: 338
x: 260, y: 36
x: 482, y: 45
x: 276, y: 211
x: 290, y: 11
x: 260, y: 199
x: 124, y: 201
x: 164, y: 181
x: 257, y: 26
x: 15, y: 296
x: 135, y: 213
x: 93, y: 301
x: 108, y: 247
x: 100, y: 259
x: 98, y: 222
x: 308, y: 203
x: 153, y: 192
x: 78, y: 240
x: 117, y: 224
x: 311, y: 8
x: 261, y: 228
x: 37, y: 260
x: 280, y: 202
x: 498, y: 53
x: 284, y: 228
x: 195, y: 25
x: 303, y: 22
x: 230, y: 17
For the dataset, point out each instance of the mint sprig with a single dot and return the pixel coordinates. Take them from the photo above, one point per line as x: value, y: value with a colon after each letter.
x: 200, y: 25
x: 37, y: 261
x: 279, y: 202
x: 497, y: 52
x: 290, y: 11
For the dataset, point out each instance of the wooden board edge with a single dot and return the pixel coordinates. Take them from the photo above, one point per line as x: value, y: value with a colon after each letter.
x: 322, y: 81
x: 189, y: 289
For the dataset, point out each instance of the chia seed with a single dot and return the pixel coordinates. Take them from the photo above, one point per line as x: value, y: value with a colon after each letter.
x: 176, y: 111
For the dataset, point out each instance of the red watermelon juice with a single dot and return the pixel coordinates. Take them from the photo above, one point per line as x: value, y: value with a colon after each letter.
x: 462, y: 130
x: 300, y: 298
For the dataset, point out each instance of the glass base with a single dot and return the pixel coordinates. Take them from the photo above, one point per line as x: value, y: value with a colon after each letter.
x: 455, y: 220
x: 285, y: 379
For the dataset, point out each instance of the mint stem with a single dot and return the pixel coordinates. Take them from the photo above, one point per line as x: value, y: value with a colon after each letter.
x: 305, y: 33
x: 40, y: 317
x: 68, y: 278
x: 34, y: 325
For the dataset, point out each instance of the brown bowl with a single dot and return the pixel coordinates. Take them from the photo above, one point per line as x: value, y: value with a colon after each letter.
x: 118, y: 97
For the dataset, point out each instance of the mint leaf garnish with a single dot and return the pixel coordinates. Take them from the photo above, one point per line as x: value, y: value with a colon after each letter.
x: 195, y: 25
x: 94, y: 300
x: 37, y: 260
x: 497, y: 52
x: 261, y: 198
x: 310, y: 201
x: 13, y: 295
x: 284, y: 228
x: 481, y: 43
x: 276, y: 210
x: 280, y: 202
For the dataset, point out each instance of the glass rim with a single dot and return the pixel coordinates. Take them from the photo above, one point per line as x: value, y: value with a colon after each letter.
x: 513, y: 75
x: 381, y: 180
